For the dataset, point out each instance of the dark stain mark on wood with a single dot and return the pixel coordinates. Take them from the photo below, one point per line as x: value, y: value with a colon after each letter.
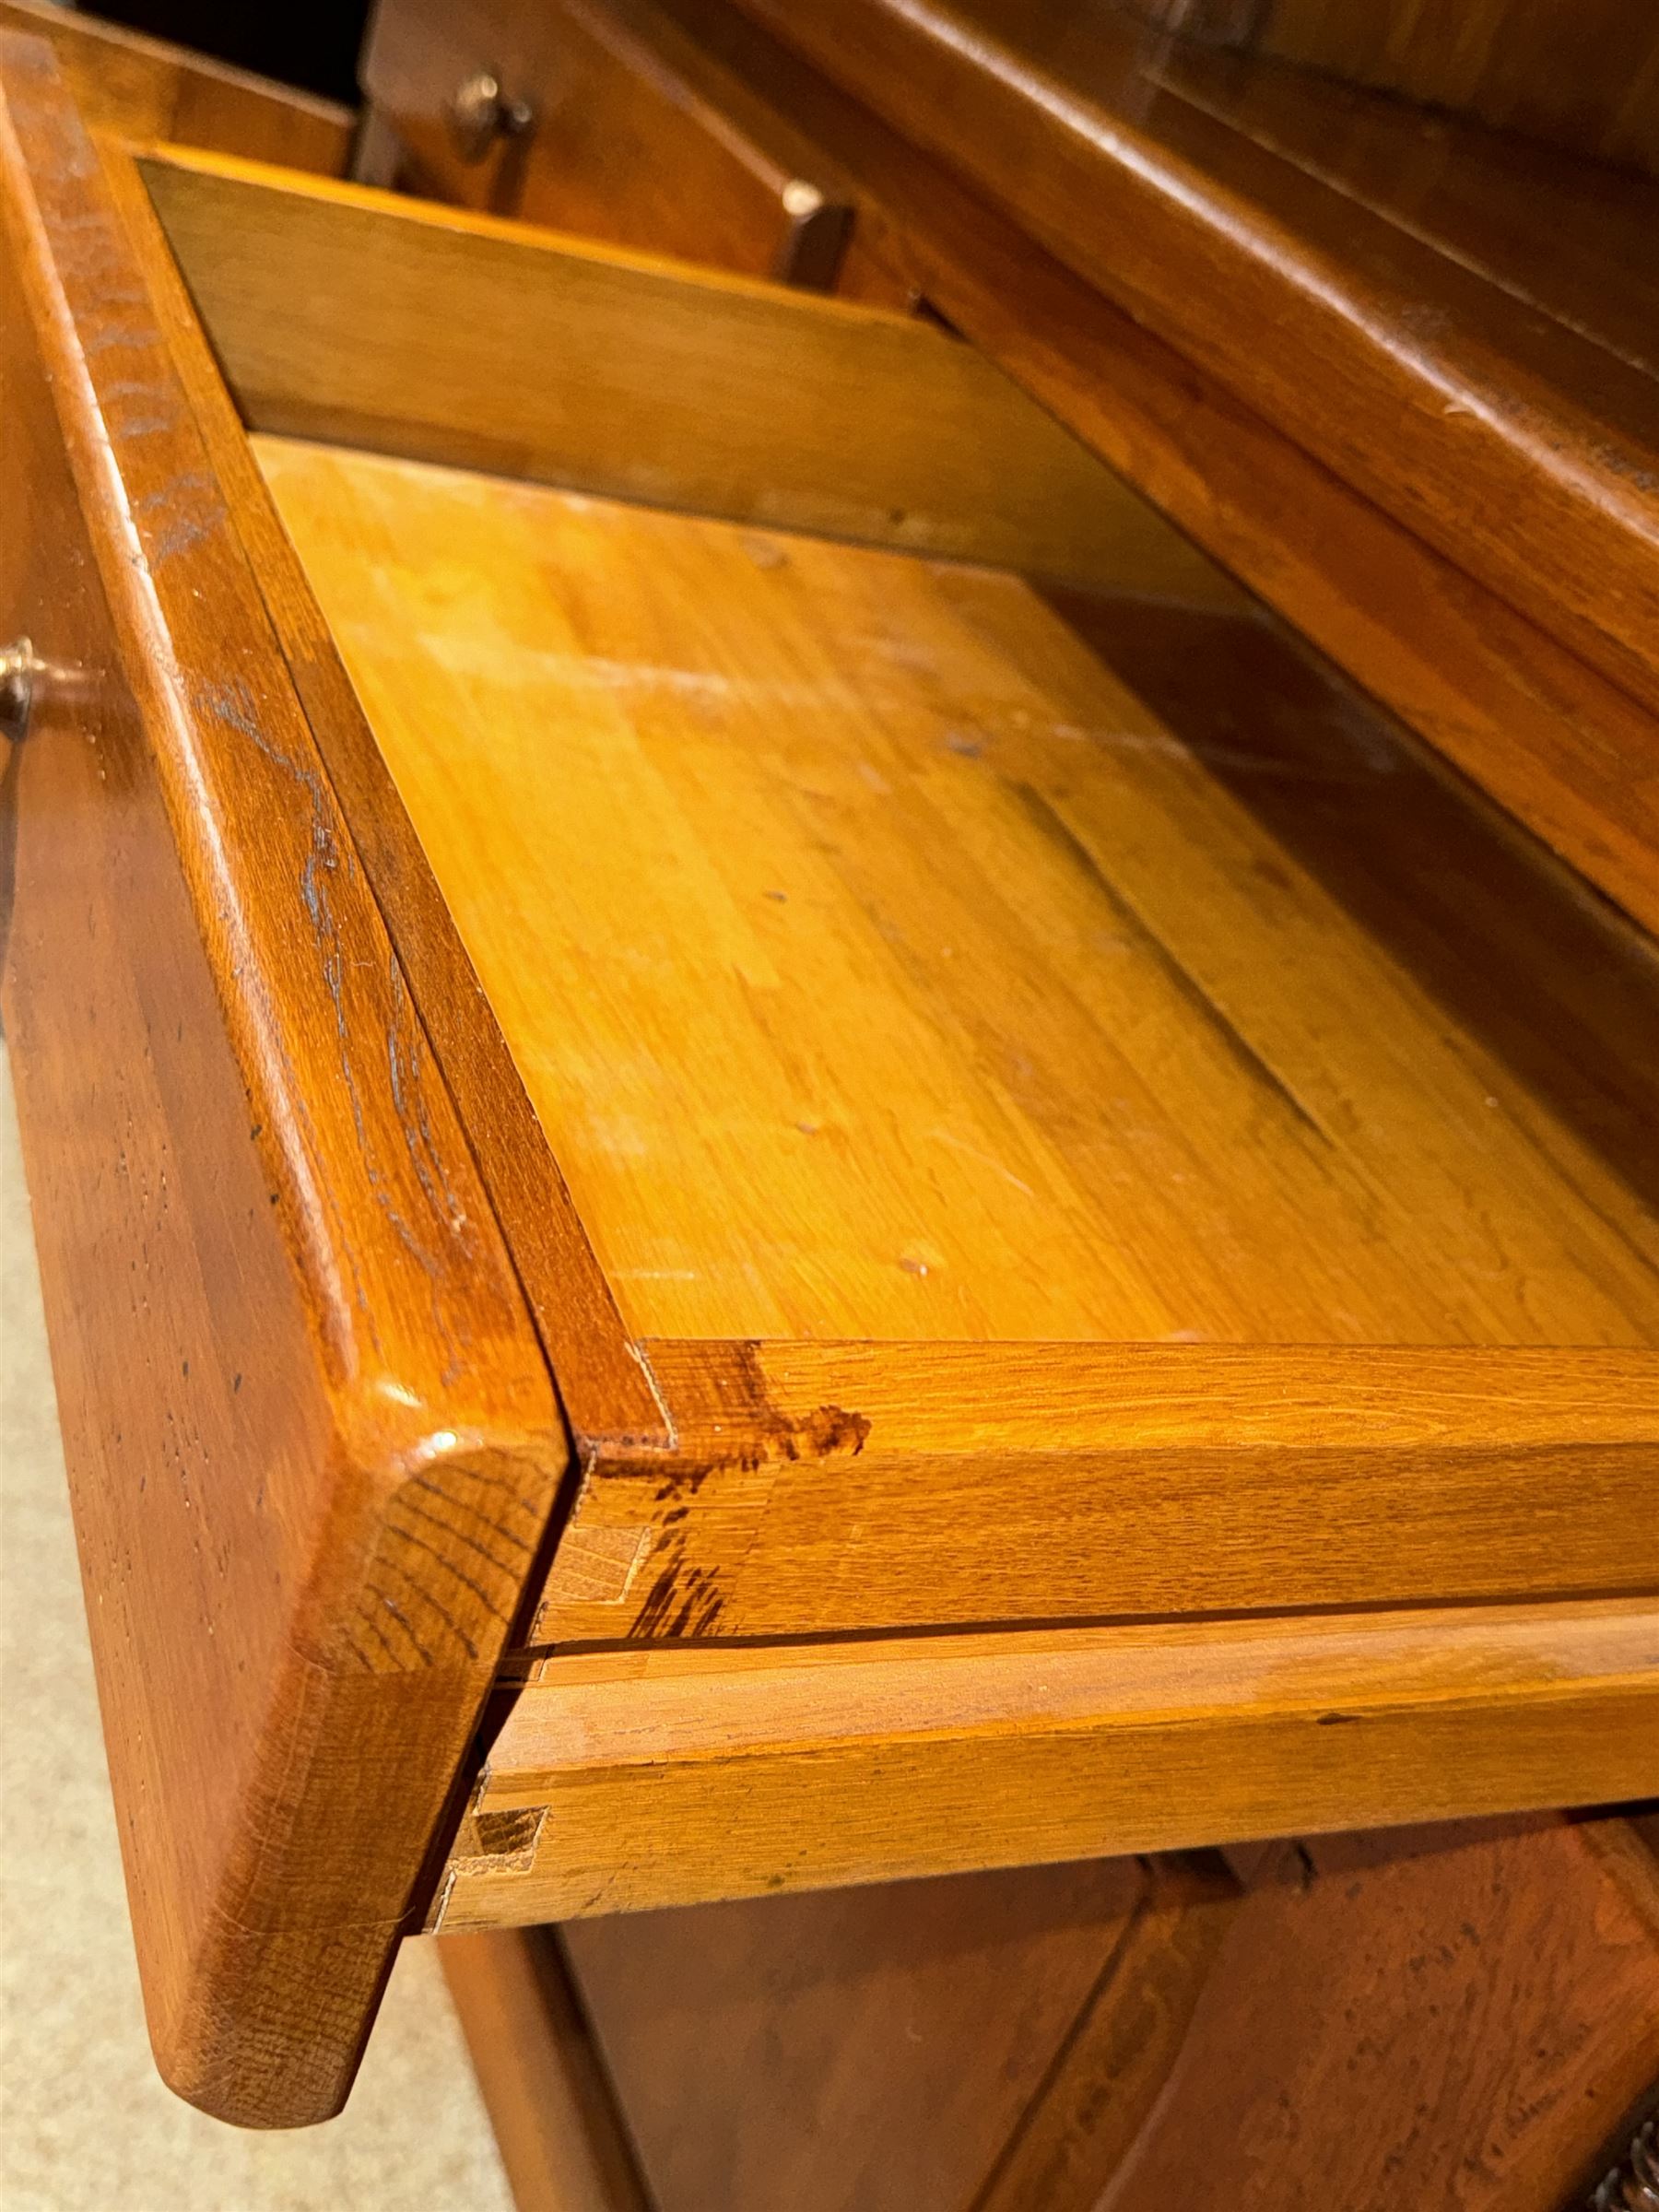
x: 496, y: 1834
x: 735, y: 1428
x: 683, y: 1602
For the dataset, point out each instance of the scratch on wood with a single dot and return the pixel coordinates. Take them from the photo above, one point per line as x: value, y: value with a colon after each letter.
x: 1060, y: 833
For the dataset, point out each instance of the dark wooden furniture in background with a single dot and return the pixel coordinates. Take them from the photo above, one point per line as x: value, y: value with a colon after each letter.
x: 1584, y: 75
x: 602, y: 117
x: 1402, y: 433
x: 1432, y: 2018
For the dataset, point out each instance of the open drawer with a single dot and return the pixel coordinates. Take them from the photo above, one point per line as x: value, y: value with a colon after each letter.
x: 765, y: 1153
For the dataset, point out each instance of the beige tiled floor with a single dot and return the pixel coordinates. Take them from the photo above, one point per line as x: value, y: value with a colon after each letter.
x: 84, y: 2121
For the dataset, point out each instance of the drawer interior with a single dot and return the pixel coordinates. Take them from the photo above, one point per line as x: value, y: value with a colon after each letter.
x: 895, y: 948
x: 1016, y: 1094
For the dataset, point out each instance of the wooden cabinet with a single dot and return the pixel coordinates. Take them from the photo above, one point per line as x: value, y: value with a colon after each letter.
x: 1585, y: 76
x: 769, y: 1153
x: 603, y: 117
x: 1463, y: 2018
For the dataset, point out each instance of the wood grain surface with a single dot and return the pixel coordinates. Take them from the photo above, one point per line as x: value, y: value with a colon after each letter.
x: 147, y: 88
x: 312, y: 1439
x: 603, y: 1387
x: 1453, y: 2016
x: 1439, y: 2016
x: 872, y: 2048
x: 1583, y: 73
x: 635, y: 138
x: 823, y: 1488
x: 1563, y: 749
x: 626, y: 1779
x: 1515, y: 445
x: 1150, y: 1044
x: 649, y: 380
x: 1566, y: 238
x: 564, y: 2143
x: 1442, y: 2016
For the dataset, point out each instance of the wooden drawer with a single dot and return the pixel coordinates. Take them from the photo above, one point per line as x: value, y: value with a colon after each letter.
x: 767, y: 1154
x: 608, y: 120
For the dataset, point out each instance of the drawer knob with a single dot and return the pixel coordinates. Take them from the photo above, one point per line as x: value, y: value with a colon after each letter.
x: 480, y: 112
x: 18, y: 668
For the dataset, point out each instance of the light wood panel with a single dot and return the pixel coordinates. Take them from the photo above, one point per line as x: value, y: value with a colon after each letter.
x: 145, y: 87
x: 633, y: 1779
x: 311, y: 1442
x: 880, y: 964
x: 819, y: 1488
x: 342, y: 312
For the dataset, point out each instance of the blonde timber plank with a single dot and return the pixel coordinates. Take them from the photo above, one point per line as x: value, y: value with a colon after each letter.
x: 339, y: 312
x: 880, y: 964
x: 821, y: 1488
x: 673, y: 1777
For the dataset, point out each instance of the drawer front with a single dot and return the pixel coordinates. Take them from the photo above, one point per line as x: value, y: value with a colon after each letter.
x: 608, y: 120
x: 310, y: 1440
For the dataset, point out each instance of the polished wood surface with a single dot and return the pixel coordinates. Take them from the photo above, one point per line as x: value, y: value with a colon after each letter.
x: 1557, y: 743
x: 602, y: 1385
x: 1271, y: 1038
x: 909, y: 803
x: 564, y: 2143
x: 1434, y: 2017
x: 311, y: 1436
x: 1446, y: 2017
x: 640, y: 378
x: 625, y: 1779
x: 146, y: 89
x: 634, y: 135
x: 1515, y: 445
x: 871, y: 2048
x: 821, y: 1488
x: 942, y: 769
x: 1568, y: 239
x: 1583, y: 72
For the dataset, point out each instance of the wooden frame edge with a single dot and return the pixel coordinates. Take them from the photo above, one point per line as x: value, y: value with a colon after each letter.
x: 688, y: 387
x: 557, y: 2126
x: 627, y: 1780
x: 987, y: 1483
x: 357, y: 1619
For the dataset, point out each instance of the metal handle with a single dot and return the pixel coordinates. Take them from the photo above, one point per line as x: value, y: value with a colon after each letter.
x: 18, y: 668
x: 480, y: 112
